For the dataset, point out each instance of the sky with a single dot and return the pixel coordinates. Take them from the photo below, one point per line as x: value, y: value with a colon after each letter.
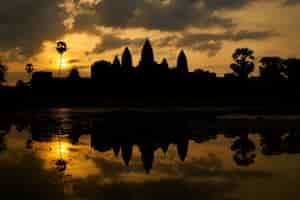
x: 208, y: 30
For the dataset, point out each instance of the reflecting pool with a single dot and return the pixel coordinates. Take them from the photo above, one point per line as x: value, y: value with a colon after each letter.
x: 100, y: 154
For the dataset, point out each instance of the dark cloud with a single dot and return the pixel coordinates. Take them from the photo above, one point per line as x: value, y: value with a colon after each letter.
x: 25, y: 24
x: 212, y: 43
x: 73, y: 61
x: 112, y: 41
x: 292, y: 2
x: 205, y: 42
x: 167, y: 15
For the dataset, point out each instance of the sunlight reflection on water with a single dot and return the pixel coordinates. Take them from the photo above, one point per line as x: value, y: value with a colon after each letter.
x: 107, y: 158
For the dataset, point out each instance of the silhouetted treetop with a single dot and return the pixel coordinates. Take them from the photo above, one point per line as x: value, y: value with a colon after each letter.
x: 182, y: 64
x: 292, y: 68
x: 126, y: 60
x: 3, y: 70
x: 272, y: 68
x: 61, y: 47
x: 74, y: 74
x: 244, y: 64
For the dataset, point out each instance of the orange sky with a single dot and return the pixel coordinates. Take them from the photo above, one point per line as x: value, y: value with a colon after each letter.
x: 92, y: 33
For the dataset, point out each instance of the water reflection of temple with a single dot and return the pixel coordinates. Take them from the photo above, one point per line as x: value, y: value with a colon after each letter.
x: 146, y: 146
x: 120, y: 132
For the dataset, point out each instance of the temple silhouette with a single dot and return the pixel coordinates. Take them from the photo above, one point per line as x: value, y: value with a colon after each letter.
x: 156, y: 84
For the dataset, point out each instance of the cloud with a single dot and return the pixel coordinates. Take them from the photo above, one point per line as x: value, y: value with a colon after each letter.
x: 291, y: 2
x: 112, y: 41
x: 204, y: 42
x: 73, y: 61
x: 166, y: 15
x: 212, y: 43
x: 24, y: 25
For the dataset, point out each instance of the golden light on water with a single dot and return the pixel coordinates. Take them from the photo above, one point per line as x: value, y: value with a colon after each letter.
x: 61, y: 149
x: 52, y: 151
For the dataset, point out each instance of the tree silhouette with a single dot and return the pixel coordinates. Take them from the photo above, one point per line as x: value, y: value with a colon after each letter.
x: 29, y: 69
x: 272, y: 68
x: 126, y: 60
x: 292, y: 68
x: 74, y: 74
x: 61, y: 48
x: 271, y: 141
x: 147, y: 58
x: 243, y: 65
x: 182, y: 64
x: 292, y: 142
x: 3, y: 70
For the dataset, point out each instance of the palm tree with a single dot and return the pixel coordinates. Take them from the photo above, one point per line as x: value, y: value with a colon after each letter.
x: 29, y: 69
x: 61, y: 48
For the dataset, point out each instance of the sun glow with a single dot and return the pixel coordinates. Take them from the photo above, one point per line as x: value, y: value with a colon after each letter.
x: 62, y: 148
x: 62, y: 63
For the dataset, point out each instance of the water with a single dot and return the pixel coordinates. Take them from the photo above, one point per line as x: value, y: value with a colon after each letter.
x: 144, y: 155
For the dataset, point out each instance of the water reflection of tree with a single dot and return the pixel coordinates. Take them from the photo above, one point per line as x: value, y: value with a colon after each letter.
x: 4, y: 130
x: 292, y: 142
x: 244, y: 151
